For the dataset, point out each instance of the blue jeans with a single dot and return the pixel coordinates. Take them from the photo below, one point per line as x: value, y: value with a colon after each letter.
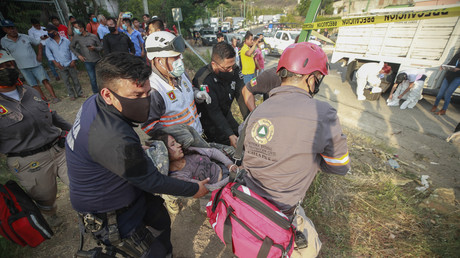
x: 247, y: 77
x: 91, y: 69
x: 446, y: 91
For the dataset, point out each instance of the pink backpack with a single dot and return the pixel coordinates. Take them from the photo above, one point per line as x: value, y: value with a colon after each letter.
x: 249, y: 224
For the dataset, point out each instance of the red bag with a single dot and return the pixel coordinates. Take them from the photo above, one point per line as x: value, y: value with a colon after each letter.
x: 252, y: 226
x: 20, y: 219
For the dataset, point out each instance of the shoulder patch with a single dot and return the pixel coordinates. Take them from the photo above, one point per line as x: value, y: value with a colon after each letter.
x: 3, y: 110
x: 171, y: 95
x: 253, y: 82
x: 262, y: 131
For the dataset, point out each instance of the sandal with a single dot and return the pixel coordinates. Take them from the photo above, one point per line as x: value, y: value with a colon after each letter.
x: 55, y: 100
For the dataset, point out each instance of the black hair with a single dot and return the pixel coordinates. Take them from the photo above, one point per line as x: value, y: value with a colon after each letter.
x: 248, y: 35
x: 90, y: 14
x: 160, y: 135
x: 120, y: 65
x: 113, y: 19
x: 157, y: 24
x: 222, y: 51
x: 256, y: 38
x: 219, y: 35
x: 34, y: 21
x: 70, y: 17
x: 135, y: 19
x: 128, y: 20
x: 146, y: 15
x: 54, y: 18
x: 80, y: 24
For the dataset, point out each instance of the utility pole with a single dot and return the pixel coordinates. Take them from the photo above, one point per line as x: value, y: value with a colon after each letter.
x: 311, y: 17
x: 146, y: 7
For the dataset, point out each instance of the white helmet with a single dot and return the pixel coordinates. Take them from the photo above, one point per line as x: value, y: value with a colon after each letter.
x: 5, y: 56
x: 164, y: 44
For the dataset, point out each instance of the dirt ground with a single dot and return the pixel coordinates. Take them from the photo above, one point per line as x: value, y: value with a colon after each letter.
x: 192, y: 235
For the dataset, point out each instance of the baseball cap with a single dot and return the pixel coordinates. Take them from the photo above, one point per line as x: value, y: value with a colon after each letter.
x: 7, y: 23
x: 51, y: 27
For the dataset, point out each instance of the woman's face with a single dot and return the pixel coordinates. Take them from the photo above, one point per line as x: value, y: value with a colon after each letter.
x: 174, y: 149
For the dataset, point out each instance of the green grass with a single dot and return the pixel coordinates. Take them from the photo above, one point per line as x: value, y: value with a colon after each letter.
x: 364, y: 214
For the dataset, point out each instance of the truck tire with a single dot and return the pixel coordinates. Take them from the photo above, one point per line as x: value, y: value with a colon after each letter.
x: 351, y: 68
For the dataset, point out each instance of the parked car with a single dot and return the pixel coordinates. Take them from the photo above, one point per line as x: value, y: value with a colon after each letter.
x: 282, y: 39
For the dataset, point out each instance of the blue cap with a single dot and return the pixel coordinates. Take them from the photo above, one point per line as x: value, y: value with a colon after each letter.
x: 7, y: 23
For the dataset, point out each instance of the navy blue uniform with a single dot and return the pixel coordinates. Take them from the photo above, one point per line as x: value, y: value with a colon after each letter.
x: 108, y: 169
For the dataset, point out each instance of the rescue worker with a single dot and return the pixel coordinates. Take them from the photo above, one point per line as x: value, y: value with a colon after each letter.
x: 31, y: 139
x: 286, y: 144
x: 370, y: 73
x: 222, y: 78
x: 112, y: 180
x: 408, y: 86
x: 173, y: 97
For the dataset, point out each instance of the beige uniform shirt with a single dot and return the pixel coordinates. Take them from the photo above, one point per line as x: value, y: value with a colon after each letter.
x: 288, y: 139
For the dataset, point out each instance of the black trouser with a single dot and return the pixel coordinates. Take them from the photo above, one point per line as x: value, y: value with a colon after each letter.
x: 148, y: 210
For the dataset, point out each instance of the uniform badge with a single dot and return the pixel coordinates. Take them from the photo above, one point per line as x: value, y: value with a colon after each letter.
x: 34, y: 166
x: 37, y: 99
x: 171, y: 95
x: 253, y: 82
x: 3, y: 110
x: 262, y: 131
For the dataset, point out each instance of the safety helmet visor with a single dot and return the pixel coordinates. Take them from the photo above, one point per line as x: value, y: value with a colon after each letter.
x: 177, y: 45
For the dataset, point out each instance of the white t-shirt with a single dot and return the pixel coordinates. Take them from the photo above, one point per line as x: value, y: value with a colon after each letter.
x: 12, y: 94
x: 36, y: 34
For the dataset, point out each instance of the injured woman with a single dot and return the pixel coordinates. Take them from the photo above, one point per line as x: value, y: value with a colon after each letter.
x: 196, y: 164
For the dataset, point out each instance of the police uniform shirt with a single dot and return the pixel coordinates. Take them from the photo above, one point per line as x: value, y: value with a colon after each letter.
x: 27, y: 124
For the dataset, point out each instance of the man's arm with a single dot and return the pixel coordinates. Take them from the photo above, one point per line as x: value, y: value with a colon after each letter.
x: 126, y: 158
x: 411, y: 85
x: 249, y: 99
x: 60, y: 122
x: 132, y: 50
x: 252, y: 49
x: 73, y: 48
x: 157, y: 109
x: 393, y: 90
x: 106, y: 45
x: 335, y: 157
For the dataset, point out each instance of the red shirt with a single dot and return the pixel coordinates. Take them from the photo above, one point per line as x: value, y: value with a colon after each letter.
x: 91, y: 27
x: 62, y: 29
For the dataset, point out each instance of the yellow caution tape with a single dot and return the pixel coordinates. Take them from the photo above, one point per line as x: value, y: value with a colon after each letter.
x: 398, y: 17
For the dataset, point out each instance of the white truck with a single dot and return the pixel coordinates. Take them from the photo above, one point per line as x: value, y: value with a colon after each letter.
x: 418, y: 44
x: 214, y: 23
x: 277, y: 43
x: 226, y: 27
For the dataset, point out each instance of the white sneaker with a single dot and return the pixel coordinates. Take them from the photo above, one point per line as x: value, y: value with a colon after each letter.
x: 360, y: 98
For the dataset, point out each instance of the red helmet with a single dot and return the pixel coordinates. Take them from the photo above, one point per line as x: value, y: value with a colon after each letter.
x: 303, y: 58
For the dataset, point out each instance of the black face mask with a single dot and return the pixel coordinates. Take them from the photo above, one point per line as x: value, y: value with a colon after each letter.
x: 135, y: 110
x: 225, y: 76
x: 317, y: 84
x: 112, y: 29
x: 9, y: 77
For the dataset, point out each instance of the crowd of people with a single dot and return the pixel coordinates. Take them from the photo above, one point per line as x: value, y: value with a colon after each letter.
x: 138, y: 77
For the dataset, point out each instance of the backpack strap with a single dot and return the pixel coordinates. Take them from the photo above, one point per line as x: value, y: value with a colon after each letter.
x: 202, y: 77
x: 240, y: 143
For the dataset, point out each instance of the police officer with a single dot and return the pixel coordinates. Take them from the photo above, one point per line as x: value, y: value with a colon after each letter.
x: 173, y: 97
x: 30, y: 138
x: 111, y: 177
x: 222, y: 78
x: 292, y: 135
